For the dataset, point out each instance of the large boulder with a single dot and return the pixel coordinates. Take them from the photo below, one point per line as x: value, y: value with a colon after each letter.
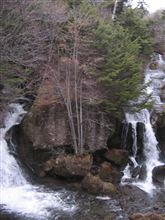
x: 158, y: 175
x: 118, y: 157
x: 69, y: 166
x: 148, y: 216
x: 94, y: 185
x: 47, y: 124
x: 109, y: 173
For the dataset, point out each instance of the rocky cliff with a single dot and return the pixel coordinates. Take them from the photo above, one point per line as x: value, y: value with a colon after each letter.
x: 160, y: 133
x: 47, y: 123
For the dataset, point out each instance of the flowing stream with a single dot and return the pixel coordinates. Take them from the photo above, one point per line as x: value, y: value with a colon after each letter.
x: 156, y: 80
x: 16, y: 193
x: 23, y: 201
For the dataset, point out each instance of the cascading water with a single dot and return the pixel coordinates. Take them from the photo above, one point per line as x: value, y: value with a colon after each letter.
x: 16, y: 194
x: 21, y: 199
x: 156, y: 78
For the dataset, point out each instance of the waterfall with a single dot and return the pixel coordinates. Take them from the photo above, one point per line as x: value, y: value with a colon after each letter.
x: 16, y: 193
x: 156, y: 79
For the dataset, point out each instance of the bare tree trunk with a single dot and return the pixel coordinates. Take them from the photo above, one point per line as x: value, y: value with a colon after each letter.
x: 75, y: 60
x: 114, y: 10
x: 81, y: 120
x: 70, y: 111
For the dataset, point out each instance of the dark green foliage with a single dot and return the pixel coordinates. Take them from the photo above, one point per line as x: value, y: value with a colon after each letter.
x: 14, y: 77
x: 120, y: 73
x: 74, y: 3
x: 138, y: 28
x: 124, y: 44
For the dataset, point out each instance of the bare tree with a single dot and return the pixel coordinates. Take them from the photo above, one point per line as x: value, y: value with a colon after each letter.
x: 69, y: 73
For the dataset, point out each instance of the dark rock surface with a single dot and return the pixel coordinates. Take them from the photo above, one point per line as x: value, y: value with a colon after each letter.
x: 94, y: 185
x: 160, y: 134
x: 48, y: 127
x: 158, y: 175
x: 128, y: 138
x: 118, y: 157
x: 140, y: 142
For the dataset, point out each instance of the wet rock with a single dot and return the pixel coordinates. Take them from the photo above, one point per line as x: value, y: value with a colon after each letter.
x: 118, y: 157
x: 94, y: 185
x: 115, y: 140
x: 148, y: 216
x: 133, y: 199
x: 154, y: 65
x: 140, y: 142
x: 129, y: 138
x: 69, y: 166
x: 136, y: 171
x: 39, y: 171
x: 109, y: 173
x: 143, y: 173
x: 160, y: 133
x: 128, y: 143
x: 158, y: 174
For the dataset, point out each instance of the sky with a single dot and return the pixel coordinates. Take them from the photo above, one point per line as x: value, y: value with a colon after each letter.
x: 153, y: 5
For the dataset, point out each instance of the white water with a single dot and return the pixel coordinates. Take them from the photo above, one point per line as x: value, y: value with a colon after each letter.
x: 16, y: 194
x: 151, y: 153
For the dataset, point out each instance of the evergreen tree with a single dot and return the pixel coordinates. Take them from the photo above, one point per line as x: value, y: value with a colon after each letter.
x: 124, y: 44
x: 133, y: 20
x: 120, y: 72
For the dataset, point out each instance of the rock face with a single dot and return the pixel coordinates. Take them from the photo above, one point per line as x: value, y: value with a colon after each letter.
x: 118, y: 157
x: 140, y: 141
x: 128, y: 143
x: 69, y: 166
x: 47, y: 125
x: 148, y: 216
x: 158, y: 175
x: 94, y: 185
x: 160, y: 133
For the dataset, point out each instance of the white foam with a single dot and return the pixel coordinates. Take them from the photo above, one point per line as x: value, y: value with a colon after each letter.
x: 155, y: 78
x: 16, y: 194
